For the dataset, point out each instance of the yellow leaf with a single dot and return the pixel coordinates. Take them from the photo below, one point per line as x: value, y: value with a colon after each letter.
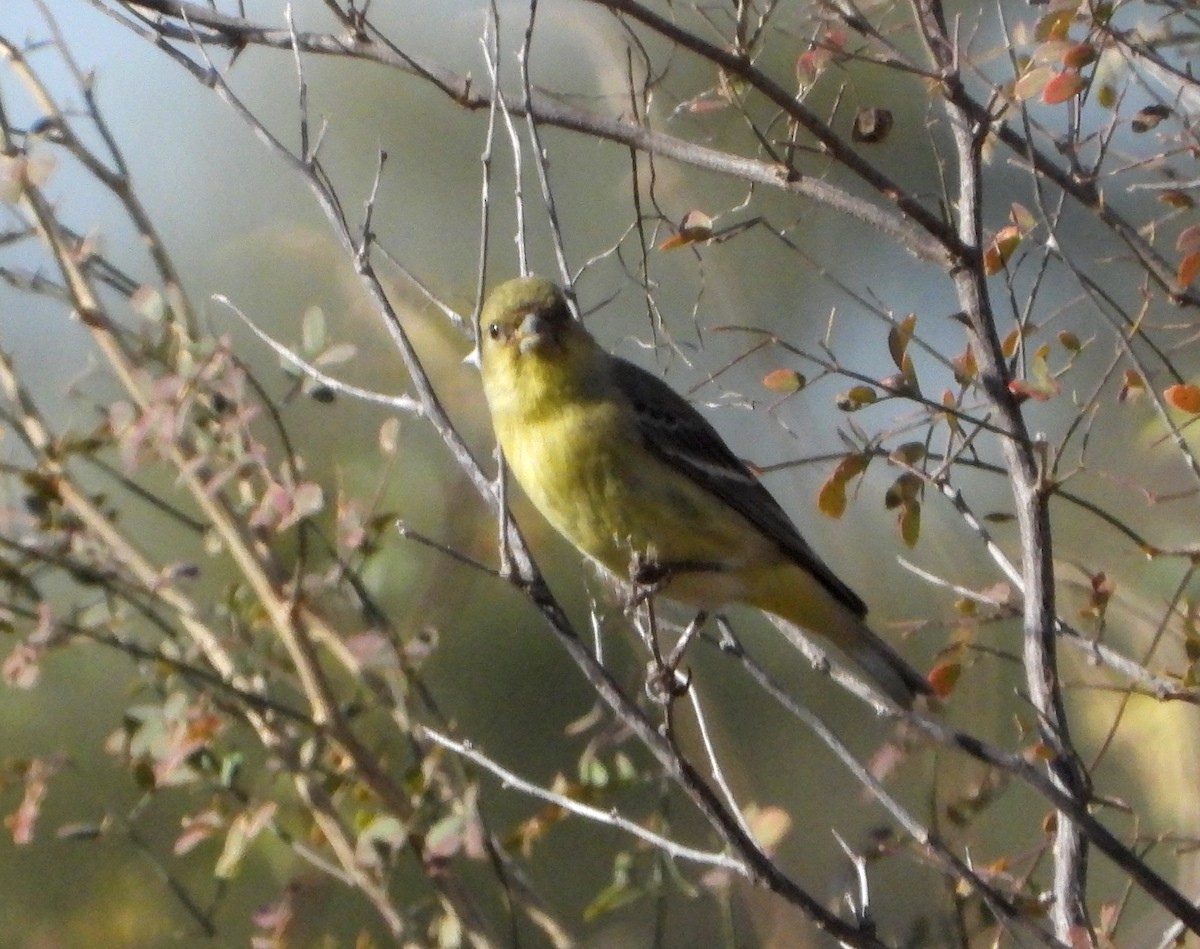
x: 899, y: 337
x: 1000, y: 250
x: 910, y: 523
x: 831, y: 500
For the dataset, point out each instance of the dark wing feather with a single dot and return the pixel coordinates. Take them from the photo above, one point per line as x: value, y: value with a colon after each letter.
x: 674, y: 431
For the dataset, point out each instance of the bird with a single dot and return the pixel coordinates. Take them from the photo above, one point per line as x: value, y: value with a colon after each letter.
x: 628, y: 471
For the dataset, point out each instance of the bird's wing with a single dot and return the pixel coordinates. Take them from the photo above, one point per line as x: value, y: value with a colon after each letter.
x: 680, y: 436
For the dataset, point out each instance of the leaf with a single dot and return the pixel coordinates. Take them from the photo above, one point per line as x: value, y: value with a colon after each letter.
x: 1032, y: 82
x: 786, y: 381
x: 1179, y: 200
x: 1132, y: 386
x: 907, y: 454
x: 944, y: 677
x: 1149, y: 117
x: 389, y: 436
x: 1000, y: 250
x: 312, y: 330
x: 696, y: 227
x: 1066, y: 85
x: 1054, y: 26
x: 148, y: 302
x: 337, y: 353
x: 1079, y: 55
x: 1188, y: 241
x: 871, y: 125
x: 965, y: 367
x: 899, y: 337
x: 856, y: 398
x: 1022, y: 218
x: 196, y: 829
x: 242, y: 832
x: 769, y: 825
x: 904, y: 490
x: 910, y: 523
x: 620, y: 892
x: 1185, y: 397
x: 811, y: 64
x: 1189, y: 269
x: 831, y: 500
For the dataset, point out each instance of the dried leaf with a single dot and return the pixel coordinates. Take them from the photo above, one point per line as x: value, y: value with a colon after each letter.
x: 1179, y: 200
x: 1149, y: 117
x: 871, y: 125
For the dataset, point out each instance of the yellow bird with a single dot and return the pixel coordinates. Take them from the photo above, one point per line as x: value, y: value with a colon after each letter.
x: 628, y: 471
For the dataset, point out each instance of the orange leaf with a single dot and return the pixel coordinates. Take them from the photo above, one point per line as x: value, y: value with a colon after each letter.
x: 1189, y: 268
x: 1066, y: 85
x: 1186, y: 398
x: 1001, y: 249
x: 944, y: 677
x: 695, y: 228
x: 786, y: 381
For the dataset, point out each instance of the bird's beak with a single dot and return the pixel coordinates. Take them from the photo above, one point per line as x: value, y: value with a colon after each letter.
x: 532, y: 332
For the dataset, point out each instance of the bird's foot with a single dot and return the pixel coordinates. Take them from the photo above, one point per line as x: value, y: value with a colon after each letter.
x: 664, y: 680
x: 664, y: 683
x: 651, y: 577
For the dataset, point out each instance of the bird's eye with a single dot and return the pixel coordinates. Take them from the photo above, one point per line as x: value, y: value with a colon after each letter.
x: 494, y: 330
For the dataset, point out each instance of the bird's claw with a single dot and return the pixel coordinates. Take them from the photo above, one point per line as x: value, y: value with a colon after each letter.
x: 665, y: 683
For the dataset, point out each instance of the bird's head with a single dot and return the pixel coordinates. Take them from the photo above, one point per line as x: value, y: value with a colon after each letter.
x: 526, y: 317
x: 533, y: 353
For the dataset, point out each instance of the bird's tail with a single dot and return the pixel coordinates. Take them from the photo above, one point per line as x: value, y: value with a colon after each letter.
x: 887, y: 668
x: 805, y: 603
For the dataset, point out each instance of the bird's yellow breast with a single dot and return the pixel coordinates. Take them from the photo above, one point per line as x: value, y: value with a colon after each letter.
x: 585, y: 469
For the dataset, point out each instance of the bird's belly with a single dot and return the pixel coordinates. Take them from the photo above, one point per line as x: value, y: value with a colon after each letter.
x: 621, y: 515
